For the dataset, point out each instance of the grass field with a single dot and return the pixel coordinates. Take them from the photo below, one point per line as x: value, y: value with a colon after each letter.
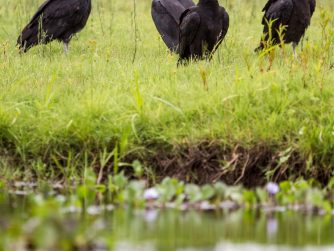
x: 119, y: 96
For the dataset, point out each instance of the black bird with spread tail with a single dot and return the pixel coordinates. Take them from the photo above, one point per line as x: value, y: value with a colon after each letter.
x: 286, y: 20
x: 166, y: 16
x: 55, y: 20
x: 202, y: 29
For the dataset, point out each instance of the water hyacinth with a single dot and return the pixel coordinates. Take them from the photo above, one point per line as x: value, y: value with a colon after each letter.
x: 299, y: 195
x: 151, y: 194
x: 272, y: 188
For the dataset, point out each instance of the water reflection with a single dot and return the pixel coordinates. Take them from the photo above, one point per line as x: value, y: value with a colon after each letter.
x: 225, y: 247
x: 239, y: 230
x: 272, y: 227
x: 44, y: 226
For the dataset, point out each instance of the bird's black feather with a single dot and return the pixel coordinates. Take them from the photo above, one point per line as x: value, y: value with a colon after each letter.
x: 189, y: 24
x: 280, y: 11
x: 202, y: 29
x: 166, y: 15
x: 55, y: 19
x: 293, y: 15
x: 312, y: 6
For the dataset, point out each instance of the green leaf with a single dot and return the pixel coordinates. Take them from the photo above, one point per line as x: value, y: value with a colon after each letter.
x: 207, y: 192
x: 120, y: 181
x: 194, y: 193
x: 137, y: 168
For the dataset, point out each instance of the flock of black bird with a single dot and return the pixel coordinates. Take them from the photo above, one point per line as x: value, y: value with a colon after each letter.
x: 192, y: 31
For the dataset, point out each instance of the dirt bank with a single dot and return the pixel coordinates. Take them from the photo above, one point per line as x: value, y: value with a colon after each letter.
x: 210, y: 161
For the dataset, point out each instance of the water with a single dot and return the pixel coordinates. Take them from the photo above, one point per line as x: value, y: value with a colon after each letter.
x: 239, y: 230
x: 44, y: 226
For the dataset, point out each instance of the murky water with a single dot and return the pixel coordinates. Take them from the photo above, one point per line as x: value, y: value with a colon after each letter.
x: 45, y: 227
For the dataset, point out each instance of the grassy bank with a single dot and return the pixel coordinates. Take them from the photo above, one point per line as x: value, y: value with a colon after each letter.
x: 119, y: 96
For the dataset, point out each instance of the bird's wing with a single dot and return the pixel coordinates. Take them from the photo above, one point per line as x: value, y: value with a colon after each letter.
x: 268, y: 4
x: 312, y: 6
x: 187, y: 3
x: 40, y: 10
x: 176, y: 7
x: 278, y: 9
x: 53, y: 10
x: 225, y: 24
x: 189, y: 24
x: 166, y: 16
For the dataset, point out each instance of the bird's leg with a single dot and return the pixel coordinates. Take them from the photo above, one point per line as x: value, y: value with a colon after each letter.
x: 294, y: 45
x: 66, y: 47
x: 302, y: 43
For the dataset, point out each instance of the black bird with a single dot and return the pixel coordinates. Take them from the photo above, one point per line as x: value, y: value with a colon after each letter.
x: 166, y: 16
x: 55, y: 20
x: 294, y: 16
x: 202, y: 29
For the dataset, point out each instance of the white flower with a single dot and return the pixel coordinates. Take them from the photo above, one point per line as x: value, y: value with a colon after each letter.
x: 272, y: 188
x: 151, y: 194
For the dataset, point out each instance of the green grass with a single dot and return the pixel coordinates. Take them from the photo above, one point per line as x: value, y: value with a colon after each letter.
x: 95, y: 97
